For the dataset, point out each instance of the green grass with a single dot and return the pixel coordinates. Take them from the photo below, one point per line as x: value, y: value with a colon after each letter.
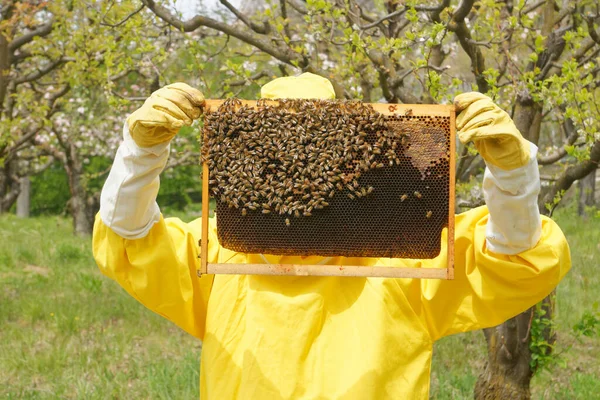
x: 458, y: 359
x: 68, y: 332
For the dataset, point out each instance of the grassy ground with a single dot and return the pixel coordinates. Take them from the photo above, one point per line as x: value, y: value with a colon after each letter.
x: 67, y: 332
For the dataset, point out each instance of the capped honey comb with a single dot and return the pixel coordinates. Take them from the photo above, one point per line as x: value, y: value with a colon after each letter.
x: 329, y: 178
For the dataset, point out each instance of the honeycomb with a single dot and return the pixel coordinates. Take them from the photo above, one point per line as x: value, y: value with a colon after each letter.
x: 328, y: 178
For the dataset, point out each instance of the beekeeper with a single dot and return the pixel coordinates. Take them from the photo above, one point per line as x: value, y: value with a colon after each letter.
x: 274, y: 337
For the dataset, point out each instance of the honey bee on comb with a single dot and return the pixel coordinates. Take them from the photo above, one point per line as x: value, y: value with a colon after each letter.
x: 329, y: 164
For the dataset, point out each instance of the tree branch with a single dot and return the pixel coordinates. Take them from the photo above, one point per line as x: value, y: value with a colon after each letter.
x: 298, y: 6
x: 128, y: 98
x: 560, y: 153
x: 282, y: 54
x: 402, y: 10
x: 384, y: 18
x: 286, y: 26
x: 41, y: 31
x: 532, y: 7
x: 264, y: 29
x: 593, y: 34
x: 189, y: 158
x: 572, y: 174
x: 254, y: 77
x: 140, y: 8
x: 41, y: 72
x: 462, y: 10
x: 459, y: 27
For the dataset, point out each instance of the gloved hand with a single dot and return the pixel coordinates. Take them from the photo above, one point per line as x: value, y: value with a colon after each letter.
x: 492, y: 131
x: 163, y: 113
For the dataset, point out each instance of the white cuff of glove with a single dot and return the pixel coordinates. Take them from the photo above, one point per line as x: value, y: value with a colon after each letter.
x: 128, y: 200
x: 514, y: 223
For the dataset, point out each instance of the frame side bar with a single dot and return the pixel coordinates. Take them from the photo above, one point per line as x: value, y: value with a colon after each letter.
x: 205, y: 203
x: 451, y: 197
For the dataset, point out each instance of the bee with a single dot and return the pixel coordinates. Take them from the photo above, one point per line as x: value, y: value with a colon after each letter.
x: 370, y: 190
x: 403, y: 197
x: 429, y: 213
x: 351, y: 196
x: 265, y: 211
x: 287, y: 222
x: 244, y: 212
x: 418, y: 195
x: 408, y: 112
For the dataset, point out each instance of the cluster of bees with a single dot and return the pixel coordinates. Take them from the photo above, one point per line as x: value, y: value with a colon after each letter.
x: 292, y: 156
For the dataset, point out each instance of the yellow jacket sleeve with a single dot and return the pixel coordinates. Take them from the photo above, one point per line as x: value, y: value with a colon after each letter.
x: 159, y: 270
x: 488, y: 288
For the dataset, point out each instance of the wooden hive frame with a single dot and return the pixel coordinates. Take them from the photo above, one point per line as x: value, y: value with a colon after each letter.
x: 337, y: 270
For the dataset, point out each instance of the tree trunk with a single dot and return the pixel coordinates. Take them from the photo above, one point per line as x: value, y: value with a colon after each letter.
x: 24, y: 197
x: 587, y: 192
x: 9, y: 186
x: 78, y: 204
x: 507, y: 372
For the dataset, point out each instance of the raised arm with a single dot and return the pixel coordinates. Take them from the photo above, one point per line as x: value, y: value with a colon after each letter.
x: 154, y: 259
x: 507, y: 258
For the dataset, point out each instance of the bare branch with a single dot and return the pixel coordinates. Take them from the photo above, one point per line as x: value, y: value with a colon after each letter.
x: 116, y: 25
x: 572, y: 136
x: 572, y: 174
x: 397, y: 82
x: 532, y: 7
x: 283, y: 54
x: 22, y: 55
x: 593, y: 34
x: 462, y: 10
x: 286, y: 27
x: 134, y: 98
x: 55, y: 96
x: 265, y: 28
x: 254, y: 77
x: 459, y: 27
x: 41, y: 31
x: 298, y: 6
x: 592, y: 55
x: 435, y: 14
x: 41, y: 72
x: 384, y: 18
x: 189, y: 158
x: 402, y: 10
x: 32, y: 132
x: 471, y: 204
x: 42, y: 168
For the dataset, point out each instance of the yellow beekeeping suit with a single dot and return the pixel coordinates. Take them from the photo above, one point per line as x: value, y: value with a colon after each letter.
x: 268, y: 337
x: 274, y: 337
